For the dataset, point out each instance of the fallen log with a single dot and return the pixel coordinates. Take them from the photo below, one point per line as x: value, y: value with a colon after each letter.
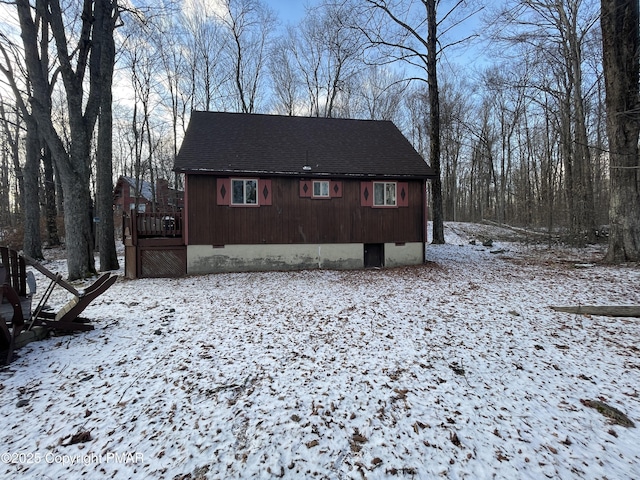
x: 603, y: 310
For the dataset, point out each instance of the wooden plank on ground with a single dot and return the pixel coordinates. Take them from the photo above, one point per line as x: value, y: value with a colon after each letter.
x: 603, y: 310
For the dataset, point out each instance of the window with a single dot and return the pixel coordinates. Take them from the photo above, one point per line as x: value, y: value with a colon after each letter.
x: 244, y: 192
x: 384, y: 194
x: 321, y: 189
x: 141, y: 207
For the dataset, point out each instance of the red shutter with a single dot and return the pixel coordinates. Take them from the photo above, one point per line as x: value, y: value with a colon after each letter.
x: 335, y: 189
x: 264, y: 192
x: 306, y: 189
x: 403, y: 194
x: 366, y: 194
x: 224, y: 191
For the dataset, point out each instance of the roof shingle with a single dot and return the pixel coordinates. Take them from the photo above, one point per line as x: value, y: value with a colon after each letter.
x: 241, y: 143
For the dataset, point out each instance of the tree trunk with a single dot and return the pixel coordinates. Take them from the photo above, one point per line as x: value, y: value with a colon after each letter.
x: 32, y: 243
x: 13, y: 151
x: 434, y: 122
x: 621, y: 49
x: 78, y: 214
x: 51, y: 212
x: 5, y: 189
x: 105, y: 228
x: 59, y: 192
x: 104, y: 194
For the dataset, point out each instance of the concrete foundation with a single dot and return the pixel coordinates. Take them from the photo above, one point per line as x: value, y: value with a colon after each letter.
x: 396, y: 255
x: 203, y: 259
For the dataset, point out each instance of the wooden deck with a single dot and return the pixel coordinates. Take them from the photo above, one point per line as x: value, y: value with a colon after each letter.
x: 154, y: 245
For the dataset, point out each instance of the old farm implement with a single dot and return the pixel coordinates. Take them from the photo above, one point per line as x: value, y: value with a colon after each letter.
x: 19, y: 321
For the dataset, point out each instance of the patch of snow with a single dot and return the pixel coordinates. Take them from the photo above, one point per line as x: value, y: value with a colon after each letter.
x: 453, y: 369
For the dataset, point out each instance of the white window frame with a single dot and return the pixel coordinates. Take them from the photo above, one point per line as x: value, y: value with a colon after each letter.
x: 321, y: 184
x: 386, y: 199
x: 244, y: 191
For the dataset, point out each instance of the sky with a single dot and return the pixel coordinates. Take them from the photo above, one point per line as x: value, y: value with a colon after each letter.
x: 290, y: 11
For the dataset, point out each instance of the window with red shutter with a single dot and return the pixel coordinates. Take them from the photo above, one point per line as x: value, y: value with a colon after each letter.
x: 243, y: 192
x: 320, y: 189
x: 384, y: 194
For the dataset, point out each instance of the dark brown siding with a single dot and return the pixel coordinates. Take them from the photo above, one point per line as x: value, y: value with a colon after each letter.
x: 291, y: 219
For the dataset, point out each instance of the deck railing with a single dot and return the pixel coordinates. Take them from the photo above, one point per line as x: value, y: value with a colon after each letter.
x: 154, y: 224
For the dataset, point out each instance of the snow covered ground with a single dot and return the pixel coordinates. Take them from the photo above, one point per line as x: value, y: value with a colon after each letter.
x: 454, y: 369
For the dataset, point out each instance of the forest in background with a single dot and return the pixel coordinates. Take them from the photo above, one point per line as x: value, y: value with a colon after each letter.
x: 522, y: 105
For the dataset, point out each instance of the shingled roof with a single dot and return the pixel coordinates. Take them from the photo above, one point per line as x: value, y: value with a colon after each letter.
x: 143, y: 187
x: 241, y: 143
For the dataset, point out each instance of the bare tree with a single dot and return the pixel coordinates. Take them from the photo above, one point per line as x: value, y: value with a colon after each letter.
x: 106, y: 15
x: 379, y: 93
x: 73, y: 163
x: 5, y: 175
x: 558, y: 31
x: 621, y: 50
x: 308, y: 56
x: 141, y: 65
x: 177, y: 88
x: 507, y: 99
x: 202, y: 35
x: 407, y: 40
x: 455, y: 109
x: 32, y: 243
x: 328, y: 53
x: 285, y: 79
x: 11, y: 129
x: 482, y: 174
x: 250, y: 24
x: 29, y: 172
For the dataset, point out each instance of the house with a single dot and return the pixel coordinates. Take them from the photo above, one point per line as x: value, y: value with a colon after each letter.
x: 129, y: 194
x: 267, y: 192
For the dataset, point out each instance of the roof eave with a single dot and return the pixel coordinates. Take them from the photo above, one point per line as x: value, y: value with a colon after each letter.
x: 298, y: 174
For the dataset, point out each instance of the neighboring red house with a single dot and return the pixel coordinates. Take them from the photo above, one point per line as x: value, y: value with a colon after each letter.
x: 266, y: 192
x: 128, y: 193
